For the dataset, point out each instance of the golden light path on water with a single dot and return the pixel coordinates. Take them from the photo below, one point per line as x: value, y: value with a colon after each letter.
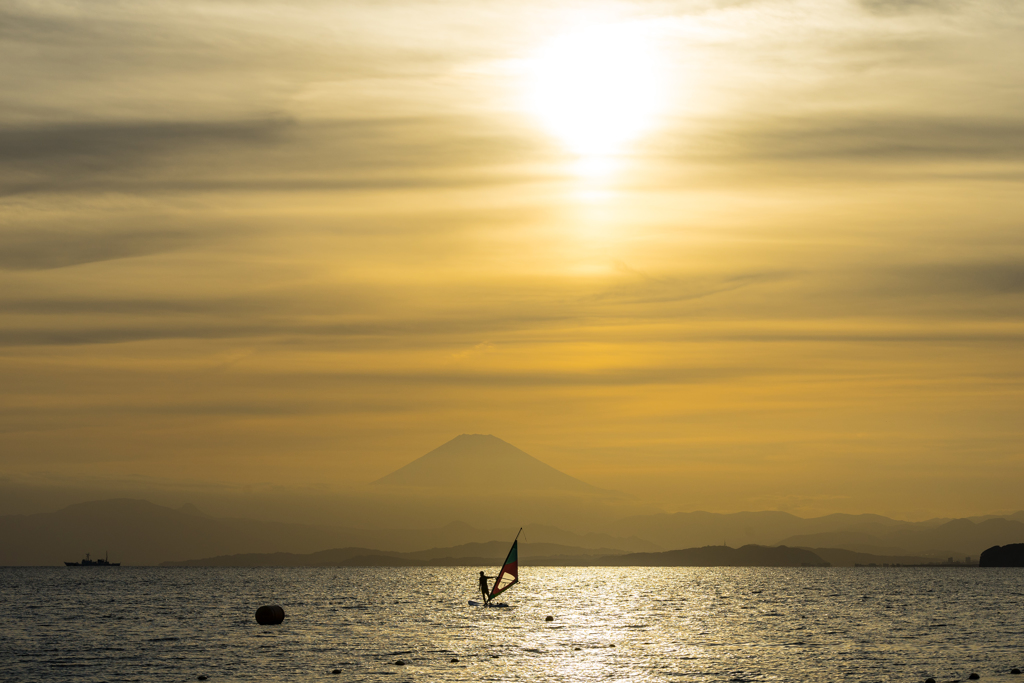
x: 725, y: 625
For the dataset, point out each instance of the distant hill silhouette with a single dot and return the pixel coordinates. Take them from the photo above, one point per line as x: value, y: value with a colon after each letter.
x: 548, y: 554
x: 485, y: 555
x: 337, y: 557
x: 1011, y: 555
x: 721, y: 556
x: 481, y: 462
x: 137, y: 532
x: 838, y: 557
x: 872, y: 534
x: 956, y: 538
x: 466, y: 555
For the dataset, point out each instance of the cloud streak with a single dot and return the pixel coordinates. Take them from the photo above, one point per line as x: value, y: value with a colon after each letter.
x: 296, y: 242
x: 246, y: 155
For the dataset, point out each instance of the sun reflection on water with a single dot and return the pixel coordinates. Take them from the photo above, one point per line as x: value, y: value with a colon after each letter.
x: 609, y: 624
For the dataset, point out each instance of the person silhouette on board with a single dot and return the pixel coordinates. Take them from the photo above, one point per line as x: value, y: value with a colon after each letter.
x: 484, y: 588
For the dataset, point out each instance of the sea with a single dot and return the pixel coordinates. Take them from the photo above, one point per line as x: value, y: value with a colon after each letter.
x: 562, y: 624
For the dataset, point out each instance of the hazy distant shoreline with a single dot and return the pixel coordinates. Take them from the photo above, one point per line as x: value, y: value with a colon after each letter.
x: 426, y: 514
x: 708, y: 556
x: 140, y: 533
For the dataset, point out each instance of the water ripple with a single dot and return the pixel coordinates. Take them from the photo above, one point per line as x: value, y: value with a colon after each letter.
x: 725, y: 625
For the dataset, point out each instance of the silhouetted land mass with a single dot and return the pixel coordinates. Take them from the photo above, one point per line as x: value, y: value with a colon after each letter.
x: 483, y: 555
x: 721, y: 556
x: 137, y: 532
x: 840, y: 557
x: 476, y: 474
x: 937, y: 539
x: 458, y: 465
x: 338, y: 557
x: 1011, y: 555
x: 445, y: 485
x: 955, y: 538
x: 466, y: 555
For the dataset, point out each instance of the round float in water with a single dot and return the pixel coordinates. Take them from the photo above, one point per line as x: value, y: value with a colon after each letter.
x: 269, y: 614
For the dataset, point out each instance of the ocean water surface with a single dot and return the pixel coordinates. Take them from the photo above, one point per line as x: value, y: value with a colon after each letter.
x: 609, y: 624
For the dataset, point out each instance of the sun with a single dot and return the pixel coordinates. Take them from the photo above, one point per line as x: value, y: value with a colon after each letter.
x: 596, y: 89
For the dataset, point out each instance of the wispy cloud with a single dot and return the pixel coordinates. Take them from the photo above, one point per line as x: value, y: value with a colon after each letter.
x: 854, y: 138
x: 270, y: 154
x: 41, y: 249
x: 231, y: 231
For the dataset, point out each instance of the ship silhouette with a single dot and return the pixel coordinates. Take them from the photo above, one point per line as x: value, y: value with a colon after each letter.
x: 92, y: 563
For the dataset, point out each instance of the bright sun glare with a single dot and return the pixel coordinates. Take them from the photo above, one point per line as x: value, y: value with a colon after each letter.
x: 596, y: 89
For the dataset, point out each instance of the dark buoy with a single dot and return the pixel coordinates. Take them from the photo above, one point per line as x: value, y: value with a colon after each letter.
x: 576, y: 649
x: 336, y: 672
x: 974, y: 677
x: 930, y: 680
x: 269, y: 614
x: 1015, y: 671
x: 549, y: 618
x: 200, y: 677
x: 455, y: 660
x: 399, y: 663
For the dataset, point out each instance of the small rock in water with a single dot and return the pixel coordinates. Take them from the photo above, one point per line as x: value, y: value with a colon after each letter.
x: 399, y: 663
x: 576, y: 649
x: 549, y: 618
x: 455, y: 660
x: 930, y: 680
x: 200, y: 677
x: 336, y: 672
x: 1015, y: 671
x: 973, y: 677
x: 494, y: 656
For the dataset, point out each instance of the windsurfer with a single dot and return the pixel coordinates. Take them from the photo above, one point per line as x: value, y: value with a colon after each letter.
x: 484, y: 588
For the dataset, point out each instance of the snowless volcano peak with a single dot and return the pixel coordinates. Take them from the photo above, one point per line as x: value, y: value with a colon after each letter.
x: 481, y: 462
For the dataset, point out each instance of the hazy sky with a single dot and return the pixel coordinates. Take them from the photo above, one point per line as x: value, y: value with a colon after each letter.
x: 723, y: 255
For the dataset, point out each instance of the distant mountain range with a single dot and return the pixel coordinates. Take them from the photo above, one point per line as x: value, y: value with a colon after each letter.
x: 137, y: 532
x: 468, y: 554
x: 722, y: 556
x: 477, y: 477
x: 935, y: 539
x: 484, y: 555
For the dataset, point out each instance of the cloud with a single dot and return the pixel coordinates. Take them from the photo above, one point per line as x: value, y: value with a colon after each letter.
x: 106, y: 145
x: 619, y: 309
x: 676, y: 288
x: 43, y: 249
x: 267, y: 154
x: 855, y: 138
x: 904, y: 6
x: 988, y: 278
x: 286, y: 155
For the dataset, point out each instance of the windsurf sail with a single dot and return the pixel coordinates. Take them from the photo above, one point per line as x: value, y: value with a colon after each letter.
x: 509, y: 574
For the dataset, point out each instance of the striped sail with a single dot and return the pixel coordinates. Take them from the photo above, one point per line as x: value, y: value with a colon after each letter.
x: 509, y: 574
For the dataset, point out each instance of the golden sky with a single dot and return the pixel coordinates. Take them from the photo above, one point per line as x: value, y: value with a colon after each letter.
x: 762, y: 254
